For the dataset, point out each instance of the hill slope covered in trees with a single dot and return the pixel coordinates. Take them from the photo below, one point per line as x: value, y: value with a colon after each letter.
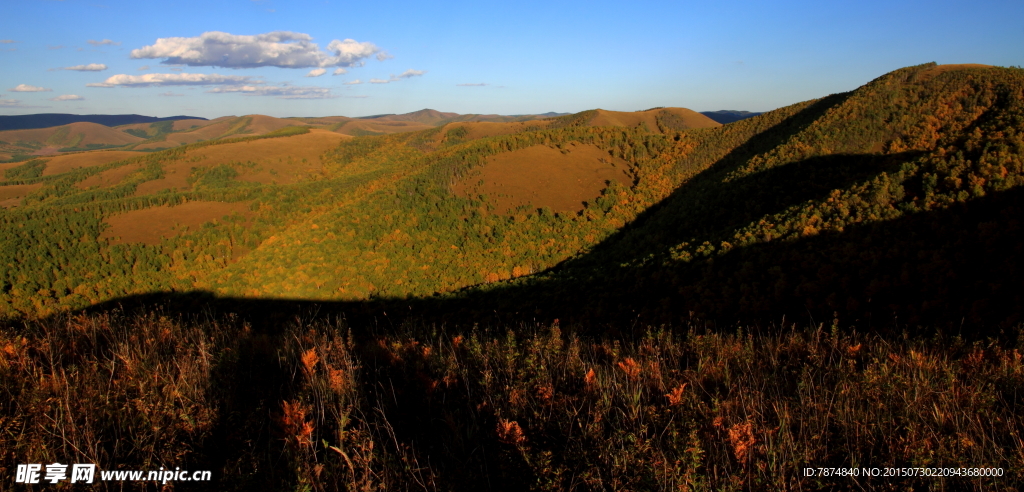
x: 897, y: 199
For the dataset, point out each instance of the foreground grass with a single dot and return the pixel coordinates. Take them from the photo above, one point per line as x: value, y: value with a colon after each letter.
x: 309, y: 406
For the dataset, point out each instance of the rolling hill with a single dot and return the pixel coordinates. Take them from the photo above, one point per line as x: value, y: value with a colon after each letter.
x: 666, y: 195
x: 47, y: 120
x: 597, y: 301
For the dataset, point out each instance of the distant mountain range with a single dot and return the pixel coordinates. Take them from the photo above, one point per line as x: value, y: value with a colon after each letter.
x: 47, y: 120
x: 728, y: 116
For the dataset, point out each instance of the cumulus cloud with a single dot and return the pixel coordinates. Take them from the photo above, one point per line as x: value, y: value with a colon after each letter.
x: 354, y: 82
x: 162, y: 79
x: 103, y: 42
x: 471, y: 85
x: 340, y: 71
x: 316, y: 72
x: 29, y: 88
x: 281, y: 92
x: 67, y: 97
x: 282, y: 49
x: 92, y: 67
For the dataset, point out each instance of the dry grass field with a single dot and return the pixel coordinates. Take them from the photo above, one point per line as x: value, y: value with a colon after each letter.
x: 152, y: 225
x: 542, y: 176
x: 689, y: 118
x: 68, y: 162
x: 73, y: 135
x: 108, y: 178
x: 371, y: 127
x: 278, y: 160
x: 11, y: 196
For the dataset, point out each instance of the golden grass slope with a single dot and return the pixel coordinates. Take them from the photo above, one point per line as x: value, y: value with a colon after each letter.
x: 542, y: 176
x: 227, y: 126
x: 11, y: 196
x: 649, y: 119
x: 72, y: 135
x: 152, y: 225
x: 67, y: 162
x: 282, y: 160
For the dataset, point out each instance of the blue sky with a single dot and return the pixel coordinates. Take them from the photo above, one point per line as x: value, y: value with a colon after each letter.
x: 474, y: 57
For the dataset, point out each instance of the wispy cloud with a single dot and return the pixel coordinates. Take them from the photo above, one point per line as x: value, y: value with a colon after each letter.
x: 29, y: 88
x: 7, y: 41
x: 395, y: 78
x: 316, y: 72
x: 354, y: 82
x: 283, y: 49
x: 281, y: 92
x: 143, y: 68
x: 14, y: 103
x: 164, y: 79
x: 92, y: 67
x: 55, y: 47
x: 169, y: 94
x: 103, y: 42
x: 409, y: 73
x: 471, y: 85
x: 68, y: 97
x: 339, y: 71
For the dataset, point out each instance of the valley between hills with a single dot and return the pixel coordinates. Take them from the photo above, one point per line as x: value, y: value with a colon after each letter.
x: 592, y: 301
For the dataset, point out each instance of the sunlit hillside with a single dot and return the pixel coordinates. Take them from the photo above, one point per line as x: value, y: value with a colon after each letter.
x: 662, y: 210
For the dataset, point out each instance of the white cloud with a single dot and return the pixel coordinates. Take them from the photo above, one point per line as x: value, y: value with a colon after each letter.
x: 92, y: 67
x: 144, y: 68
x: 354, y: 82
x: 316, y: 72
x: 103, y: 42
x: 275, y: 49
x: 169, y: 94
x: 29, y: 88
x: 162, y: 79
x: 67, y: 97
x: 395, y: 78
x: 340, y: 71
x: 384, y: 55
x: 409, y: 73
x: 471, y: 85
x: 281, y: 92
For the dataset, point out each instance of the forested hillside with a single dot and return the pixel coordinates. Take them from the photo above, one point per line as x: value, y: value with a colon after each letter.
x: 547, y: 305
x: 895, y: 201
